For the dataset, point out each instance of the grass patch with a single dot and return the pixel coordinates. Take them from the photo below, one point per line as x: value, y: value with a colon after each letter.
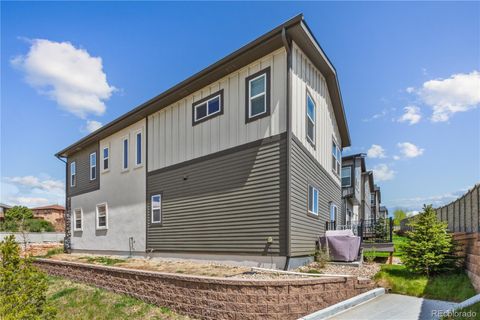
x: 451, y: 287
x: 103, y: 260
x: 468, y: 315
x: 398, y: 241
x: 76, y: 301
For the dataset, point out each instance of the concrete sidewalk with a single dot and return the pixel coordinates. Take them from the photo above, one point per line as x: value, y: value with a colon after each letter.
x: 395, y: 307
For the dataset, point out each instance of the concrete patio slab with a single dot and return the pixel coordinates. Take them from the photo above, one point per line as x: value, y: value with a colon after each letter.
x: 395, y: 307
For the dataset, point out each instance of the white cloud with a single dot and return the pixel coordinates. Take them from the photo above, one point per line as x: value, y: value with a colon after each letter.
x: 382, y: 172
x: 395, y: 157
x: 459, y: 93
x: 412, y: 115
x: 416, y: 203
x: 376, y: 151
x: 410, y: 89
x: 409, y: 150
x: 92, y: 125
x: 32, y: 191
x: 376, y: 116
x: 68, y: 75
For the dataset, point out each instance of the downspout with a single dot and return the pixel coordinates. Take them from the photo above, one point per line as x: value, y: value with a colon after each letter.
x: 66, y: 215
x: 288, y: 153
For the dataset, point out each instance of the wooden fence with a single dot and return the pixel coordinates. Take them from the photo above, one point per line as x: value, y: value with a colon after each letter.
x: 463, y: 214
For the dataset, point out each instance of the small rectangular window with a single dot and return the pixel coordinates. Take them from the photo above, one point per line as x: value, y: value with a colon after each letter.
x: 157, y: 208
x: 336, y: 158
x: 78, y: 217
x: 125, y: 154
x: 313, y: 195
x: 138, y: 148
x: 347, y: 176
x: 102, y: 218
x: 258, y: 95
x: 207, y: 108
x: 73, y: 174
x: 93, y: 166
x: 311, y: 112
x: 106, y: 158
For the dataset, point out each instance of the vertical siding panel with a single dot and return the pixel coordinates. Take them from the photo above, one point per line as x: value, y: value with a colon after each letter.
x: 175, y: 128
x: 242, y: 129
x: 182, y: 130
x: 214, y: 126
x: 234, y: 107
x: 190, y: 148
x: 161, y: 139
x: 223, y: 123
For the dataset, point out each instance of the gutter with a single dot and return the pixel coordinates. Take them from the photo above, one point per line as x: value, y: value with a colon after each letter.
x: 289, y: 148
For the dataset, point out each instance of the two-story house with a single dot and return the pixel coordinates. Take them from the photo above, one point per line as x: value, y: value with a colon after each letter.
x: 239, y: 161
x: 376, y: 200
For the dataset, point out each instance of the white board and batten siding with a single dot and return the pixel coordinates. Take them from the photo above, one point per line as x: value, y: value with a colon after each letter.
x: 173, y: 139
x: 306, y: 75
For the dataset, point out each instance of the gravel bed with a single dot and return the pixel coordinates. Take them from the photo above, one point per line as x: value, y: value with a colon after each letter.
x: 366, y: 270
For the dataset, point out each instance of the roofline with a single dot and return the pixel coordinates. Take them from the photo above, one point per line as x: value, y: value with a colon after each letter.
x: 181, y: 89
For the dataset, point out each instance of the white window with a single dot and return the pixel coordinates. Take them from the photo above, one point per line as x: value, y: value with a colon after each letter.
x: 73, y: 174
x: 347, y: 176
x: 258, y: 94
x: 333, y: 212
x: 313, y: 200
x: 311, y: 112
x: 336, y: 158
x: 106, y: 158
x: 125, y: 154
x: 93, y: 166
x: 102, y: 216
x: 208, y: 107
x: 138, y: 148
x: 78, y: 220
x: 157, y: 208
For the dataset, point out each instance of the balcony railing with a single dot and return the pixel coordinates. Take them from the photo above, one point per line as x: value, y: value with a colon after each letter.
x: 370, y: 230
x: 347, y: 192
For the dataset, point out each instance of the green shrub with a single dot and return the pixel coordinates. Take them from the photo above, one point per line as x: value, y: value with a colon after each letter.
x: 22, y: 287
x: 39, y: 225
x: 428, y: 248
x: 322, y: 257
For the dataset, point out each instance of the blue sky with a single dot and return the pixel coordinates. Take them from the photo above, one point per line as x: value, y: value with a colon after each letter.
x: 389, y: 56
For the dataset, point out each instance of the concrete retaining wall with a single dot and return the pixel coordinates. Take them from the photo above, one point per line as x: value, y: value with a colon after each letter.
x: 216, y: 298
x: 35, y: 237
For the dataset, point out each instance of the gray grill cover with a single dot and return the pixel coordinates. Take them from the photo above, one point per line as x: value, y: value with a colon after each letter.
x: 342, y: 245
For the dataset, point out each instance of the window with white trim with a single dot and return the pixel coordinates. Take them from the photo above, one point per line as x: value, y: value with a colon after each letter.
x: 102, y: 216
x: 73, y: 174
x: 106, y: 158
x: 78, y: 219
x: 347, y: 176
x: 336, y: 158
x: 93, y: 166
x: 125, y: 153
x: 333, y: 212
x: 138, y: 148
x: 156, y: 208
x: 257, y: 95
x: 311, y: 112
x: 208, y: 107
x: 313, y: 196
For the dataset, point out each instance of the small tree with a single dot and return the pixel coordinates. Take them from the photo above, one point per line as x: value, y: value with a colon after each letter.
x: 22, y: 287
x: 428, y: 248
x: 398, y: 215
x: 380, y: 229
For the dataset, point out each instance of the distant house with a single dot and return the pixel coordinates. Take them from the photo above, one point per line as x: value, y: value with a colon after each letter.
x: 376, y: 200
x: 383, y: 212
x: 241, y: 160
x: 353, y: 168
x: 3, y: 209
x: 54, y: 214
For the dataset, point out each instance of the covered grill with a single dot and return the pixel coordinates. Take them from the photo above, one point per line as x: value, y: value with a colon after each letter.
x: 342, y: 245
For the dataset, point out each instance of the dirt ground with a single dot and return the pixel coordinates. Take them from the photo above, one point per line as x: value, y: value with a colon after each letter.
x: 179, y: 266
x: 39, y: 249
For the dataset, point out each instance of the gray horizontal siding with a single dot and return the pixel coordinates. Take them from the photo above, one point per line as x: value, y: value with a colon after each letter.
x: 226, y: 202
x: 82, y: 160
x: 305, y: 229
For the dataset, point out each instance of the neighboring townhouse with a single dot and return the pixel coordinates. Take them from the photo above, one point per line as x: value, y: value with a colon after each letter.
x: 376, y: 199
x: 366, y: 193
x: 383, y: 212
x: 239, y: 161
x: 55, y: 214
x: 353, y: 166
